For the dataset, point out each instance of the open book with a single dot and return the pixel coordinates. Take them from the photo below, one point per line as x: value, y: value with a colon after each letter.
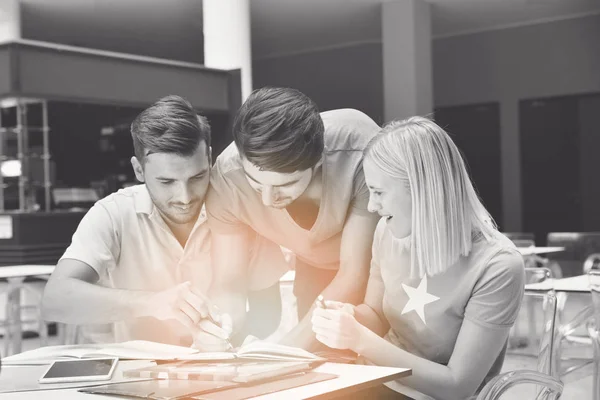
x: 144, y: 350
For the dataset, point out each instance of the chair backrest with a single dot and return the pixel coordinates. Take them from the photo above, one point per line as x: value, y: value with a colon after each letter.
x: 592, y: 262
x: 578, y: 246
x: 547, y: 375
x: 593, y: 326
x: 594, y: 279
x: 546, y: 354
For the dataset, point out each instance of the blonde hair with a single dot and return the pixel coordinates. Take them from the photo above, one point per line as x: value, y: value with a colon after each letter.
x: 446, y: 211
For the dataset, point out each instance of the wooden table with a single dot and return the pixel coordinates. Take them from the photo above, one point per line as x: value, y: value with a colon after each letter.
x: 16, y: 275
x: 531, y: 250
x: 350, y: 379
x: 574, y: 284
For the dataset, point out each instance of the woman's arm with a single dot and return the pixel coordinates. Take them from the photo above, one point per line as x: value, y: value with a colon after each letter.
x: 370, y: 313
x: 476, y: 349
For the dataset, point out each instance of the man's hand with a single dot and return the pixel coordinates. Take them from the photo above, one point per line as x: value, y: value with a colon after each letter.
x: 183, y: 302
x: 213, y: 333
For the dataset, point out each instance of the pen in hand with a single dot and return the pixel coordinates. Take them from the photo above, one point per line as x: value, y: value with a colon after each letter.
x: 320, y: 302
x: 226, y: 338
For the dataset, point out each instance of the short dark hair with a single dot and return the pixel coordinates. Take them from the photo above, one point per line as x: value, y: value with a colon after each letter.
x: 279, y: 130
x: 171, y: 125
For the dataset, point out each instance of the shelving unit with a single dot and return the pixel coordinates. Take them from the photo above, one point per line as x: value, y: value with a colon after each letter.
x: 34, y: 74
x: 22, y: 130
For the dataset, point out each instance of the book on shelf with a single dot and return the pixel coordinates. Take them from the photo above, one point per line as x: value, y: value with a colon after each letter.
x: 145, y: 350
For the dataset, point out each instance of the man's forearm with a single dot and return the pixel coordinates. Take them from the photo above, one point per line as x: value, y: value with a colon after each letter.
x: 74, y: 301
x: 341, y: 288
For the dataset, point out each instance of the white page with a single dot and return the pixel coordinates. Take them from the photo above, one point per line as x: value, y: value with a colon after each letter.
x: 135, y: 350
x: 262, y: 349
x: 51, y: 353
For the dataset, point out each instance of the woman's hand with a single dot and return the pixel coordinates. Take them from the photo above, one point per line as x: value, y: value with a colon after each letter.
x: 336, y: 327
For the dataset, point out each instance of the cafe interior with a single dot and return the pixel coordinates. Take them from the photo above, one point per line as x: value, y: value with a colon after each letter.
x: 516, y: 83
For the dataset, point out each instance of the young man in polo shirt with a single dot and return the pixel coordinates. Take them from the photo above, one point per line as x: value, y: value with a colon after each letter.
x: 295, y: 177
x: 139, y: 261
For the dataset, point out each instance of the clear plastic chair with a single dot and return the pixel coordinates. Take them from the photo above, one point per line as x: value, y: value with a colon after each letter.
x: 593, y: 327
x: 13, y: 324
x: 546, y: 377
x: 566, y: 332
x: 578, y: 247
x: 581, y: 254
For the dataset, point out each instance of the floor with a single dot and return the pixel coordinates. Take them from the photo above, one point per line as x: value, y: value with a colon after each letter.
x: 578, y: 384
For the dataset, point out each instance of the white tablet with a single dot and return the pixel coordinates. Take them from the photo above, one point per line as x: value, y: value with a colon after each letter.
x: 88, y: 369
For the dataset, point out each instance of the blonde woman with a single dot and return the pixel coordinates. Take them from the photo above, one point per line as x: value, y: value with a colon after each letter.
x: 445, y: 286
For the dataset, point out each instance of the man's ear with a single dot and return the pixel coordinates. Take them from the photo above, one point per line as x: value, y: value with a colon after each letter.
x: 317, y: 165
x: 210, y: 156
x: 137, y: 169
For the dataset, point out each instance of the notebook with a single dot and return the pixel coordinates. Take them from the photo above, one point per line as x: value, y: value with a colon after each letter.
x: 246, y: 371
x: 144, y: 350
x: 159, y: 390
x: 260, y: 350
x: 205, y: 390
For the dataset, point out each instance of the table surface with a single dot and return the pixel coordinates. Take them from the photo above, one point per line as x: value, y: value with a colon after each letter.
x: 15, y: 271
x: 574, y: 284
x: 350, y: 377
x: 527, y: 251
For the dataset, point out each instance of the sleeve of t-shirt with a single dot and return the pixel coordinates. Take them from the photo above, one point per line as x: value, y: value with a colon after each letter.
x: 360, y: 199
x: 497, y: 295
x: 220, y: 204
x: 97, y: 240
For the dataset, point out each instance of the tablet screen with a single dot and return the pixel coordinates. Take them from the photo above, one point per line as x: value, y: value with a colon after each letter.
x: 80, y: 368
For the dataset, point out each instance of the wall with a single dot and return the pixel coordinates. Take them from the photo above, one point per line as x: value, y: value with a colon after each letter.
x: 335, y: 78
x: 168, y: 29
x: 589, y: 137
x: 542, y: 60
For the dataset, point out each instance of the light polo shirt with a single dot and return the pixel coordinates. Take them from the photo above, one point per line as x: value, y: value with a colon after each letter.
x: 234, y: 205
x: 126, y: 241
x: 486, y: 287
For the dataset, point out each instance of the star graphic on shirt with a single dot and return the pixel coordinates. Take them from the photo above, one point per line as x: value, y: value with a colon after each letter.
x: 418, y: 298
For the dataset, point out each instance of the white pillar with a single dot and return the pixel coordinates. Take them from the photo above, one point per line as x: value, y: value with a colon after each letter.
x: 226, y: 25
x: 10, y: 20
x: 407, y: 72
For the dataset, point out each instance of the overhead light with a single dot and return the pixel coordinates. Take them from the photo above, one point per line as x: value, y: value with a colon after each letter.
x: 10, y: 168
x: 8, y: 102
